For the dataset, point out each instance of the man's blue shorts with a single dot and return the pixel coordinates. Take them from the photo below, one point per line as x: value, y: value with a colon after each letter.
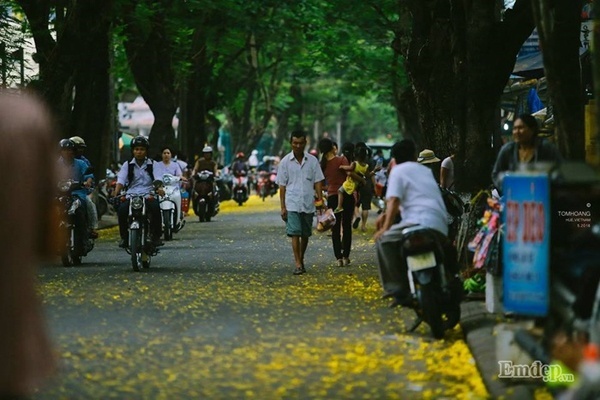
x: 299, y: 224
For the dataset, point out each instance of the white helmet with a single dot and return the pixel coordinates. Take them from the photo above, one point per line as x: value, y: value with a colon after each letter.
x: 207, y: 149
x: 254, y: 152
x: 79, y: 142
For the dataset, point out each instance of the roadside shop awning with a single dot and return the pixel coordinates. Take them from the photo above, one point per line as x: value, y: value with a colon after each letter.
x: 532, y: 65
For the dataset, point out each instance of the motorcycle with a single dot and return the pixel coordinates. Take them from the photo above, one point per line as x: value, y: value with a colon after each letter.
x: 205, y: 196
x: 102, y: 193
x: 266, y: 185
x: 140, y: 246
x: 170, y: 206
x: 240, y: 188
x: 74, y: 221
x: 435, y: 291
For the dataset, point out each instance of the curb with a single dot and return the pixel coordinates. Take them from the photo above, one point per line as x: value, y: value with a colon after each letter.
x: 478, y: 325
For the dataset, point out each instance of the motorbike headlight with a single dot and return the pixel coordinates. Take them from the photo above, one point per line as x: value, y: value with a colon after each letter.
x: 137, y: 203
x: 167, y: 180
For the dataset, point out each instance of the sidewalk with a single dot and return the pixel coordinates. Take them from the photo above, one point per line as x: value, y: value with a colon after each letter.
x: 478, y: 325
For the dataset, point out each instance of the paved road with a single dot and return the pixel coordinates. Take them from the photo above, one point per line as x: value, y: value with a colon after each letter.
x: 219, y: 315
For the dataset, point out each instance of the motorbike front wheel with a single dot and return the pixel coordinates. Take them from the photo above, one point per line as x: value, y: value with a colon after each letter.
x: 167, y: 222
x: 135, y: 244
x: 263, y: 192
x: 432, y: 311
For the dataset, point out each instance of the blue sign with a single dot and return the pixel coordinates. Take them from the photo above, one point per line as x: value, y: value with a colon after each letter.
x: 526, y: 243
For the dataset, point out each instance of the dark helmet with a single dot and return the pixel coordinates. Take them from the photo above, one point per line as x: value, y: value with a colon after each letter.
x: 67, y: 144
x: 139, y: 141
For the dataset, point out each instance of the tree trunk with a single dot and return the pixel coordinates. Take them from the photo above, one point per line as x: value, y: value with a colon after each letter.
x: 56, y: 58
x: 149, y: 57
x: 559, y: 25
x: 194, y: 100
x: 458, y: 60
x: 92, y: 116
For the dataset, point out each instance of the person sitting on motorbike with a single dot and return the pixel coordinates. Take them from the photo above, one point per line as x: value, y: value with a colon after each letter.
x: 253, y: 160
x: 239, y: 166
x: 206, y: 163
x: 73, y: 168
x: 92, y: 212
x: 414, y: 193
x: 138, y: 176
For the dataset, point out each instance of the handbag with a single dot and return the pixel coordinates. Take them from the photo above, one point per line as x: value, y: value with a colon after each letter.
x: 325, y: 220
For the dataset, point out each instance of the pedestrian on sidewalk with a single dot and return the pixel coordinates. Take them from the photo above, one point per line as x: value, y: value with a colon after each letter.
x: 29, y: 235
x: 335, y: 177
x: 300, y: 178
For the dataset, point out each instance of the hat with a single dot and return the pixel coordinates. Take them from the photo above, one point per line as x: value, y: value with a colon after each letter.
x: 427, y: 157
x: 207, y: 149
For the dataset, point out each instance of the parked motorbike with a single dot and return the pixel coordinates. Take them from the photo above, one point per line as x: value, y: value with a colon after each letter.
x: 102, y: 194
x: 240, y: 188
x: 74, y: 221
x: 456, y: 209
x: 140, y: 247
x: 205, y: 196
x: 170, y: 206
x: 435, y: 291
x: 266, y: 185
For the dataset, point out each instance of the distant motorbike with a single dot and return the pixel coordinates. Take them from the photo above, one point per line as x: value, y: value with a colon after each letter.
x: 170, y: 206
x: 435, y: 291
x: 140, y: 247
x: 205, y: 196
x: 102, y: 194
x: 240, y: 188
x: 74, y: 221
x: 266, y: 185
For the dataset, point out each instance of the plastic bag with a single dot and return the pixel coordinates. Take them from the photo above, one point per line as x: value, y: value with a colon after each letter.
x: 325, y: 220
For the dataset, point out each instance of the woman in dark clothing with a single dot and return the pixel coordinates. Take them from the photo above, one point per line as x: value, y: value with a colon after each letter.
x: 335, y: 177
x: 526, y: 148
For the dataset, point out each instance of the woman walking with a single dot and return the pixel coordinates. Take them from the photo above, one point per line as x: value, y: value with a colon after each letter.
x: 335, y: 177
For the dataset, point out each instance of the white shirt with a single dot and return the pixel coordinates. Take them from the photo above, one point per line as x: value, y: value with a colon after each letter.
x: 142, y: 182
x: 420, y: 197
x: 299, y: 180
x: 449, y: 165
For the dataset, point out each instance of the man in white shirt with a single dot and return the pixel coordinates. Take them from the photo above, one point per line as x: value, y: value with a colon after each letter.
x: 300, y: 178
x: 413, y: 192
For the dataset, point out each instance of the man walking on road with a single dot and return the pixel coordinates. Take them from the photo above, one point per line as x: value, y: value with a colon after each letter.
x: 300, y: 178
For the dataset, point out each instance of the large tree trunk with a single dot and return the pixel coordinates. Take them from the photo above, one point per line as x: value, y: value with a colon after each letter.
x: 459, y: 58
x: 195, y: 98
x: 92, y: 116
x: 149, y: 55
x: 559, y: 25
x: 56, y: 58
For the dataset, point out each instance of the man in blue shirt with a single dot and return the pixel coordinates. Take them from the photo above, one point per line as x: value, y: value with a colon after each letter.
x: 92, y: 212
x: 138, y: 176
x: 72, y: 168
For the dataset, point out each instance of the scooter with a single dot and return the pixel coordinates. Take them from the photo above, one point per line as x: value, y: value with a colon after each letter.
x: 170, y: 206
x: 205, y: 196
x: 435, y: 291
x: 266, y: 185
x: 74, y: 221
x: 240, y: 188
